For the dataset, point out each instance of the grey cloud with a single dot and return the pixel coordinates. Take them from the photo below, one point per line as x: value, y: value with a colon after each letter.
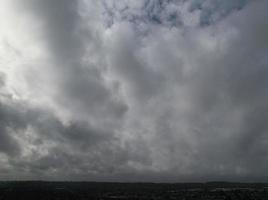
x: 60, y: 20
x: 235, y: 84
x: 178, y: 103
x: 223, y: 126
x: 76, y: 146
x: 80, y: 84
x: 8, y: 144
x: 124, y: 60
x: 168, y: 13
x: 9, y: 122
x: 143, y: 13
x: 213, y: 11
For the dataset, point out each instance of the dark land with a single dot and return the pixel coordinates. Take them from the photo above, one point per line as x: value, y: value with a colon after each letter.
x: 40, y: 190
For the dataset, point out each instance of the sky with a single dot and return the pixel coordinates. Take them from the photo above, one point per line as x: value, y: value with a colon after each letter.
x: 134, y: 90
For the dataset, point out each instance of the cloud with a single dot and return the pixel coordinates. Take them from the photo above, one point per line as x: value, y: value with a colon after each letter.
x: 133, y: 90
x: 213, y: 11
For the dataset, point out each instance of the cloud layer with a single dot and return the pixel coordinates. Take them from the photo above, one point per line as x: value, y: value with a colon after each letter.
x: 130, y: 90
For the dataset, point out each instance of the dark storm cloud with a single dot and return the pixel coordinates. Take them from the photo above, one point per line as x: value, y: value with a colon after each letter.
x: 87, y: 101
x: 73, y: 148
x: 18, y: 116
x: 149, y: 12
x: 8, y: 122
x: 213, y: 11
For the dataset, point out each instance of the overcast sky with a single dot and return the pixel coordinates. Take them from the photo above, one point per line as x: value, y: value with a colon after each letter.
x: 134, y: 90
